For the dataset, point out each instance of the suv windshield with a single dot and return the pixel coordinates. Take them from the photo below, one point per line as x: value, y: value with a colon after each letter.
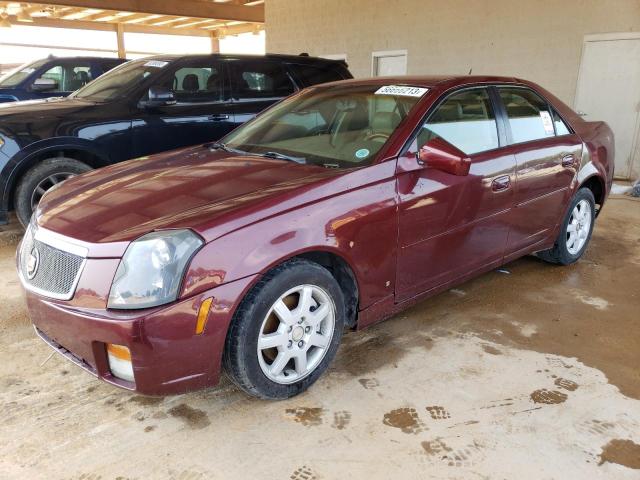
x: 16, y: 76
x: 120, y: 81
x: 341, y: 127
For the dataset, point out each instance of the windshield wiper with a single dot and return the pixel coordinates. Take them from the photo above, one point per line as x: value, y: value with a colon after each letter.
x: 282, y: 156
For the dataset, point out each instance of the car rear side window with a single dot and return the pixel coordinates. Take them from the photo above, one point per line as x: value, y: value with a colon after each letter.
x: 309, y: 75
x: 465, y: 120
x: 529, y: 115
x: 561, y: 127
x: 259, y: 81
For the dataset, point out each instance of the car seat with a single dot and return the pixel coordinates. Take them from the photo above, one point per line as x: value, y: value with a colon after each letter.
x: 191, y: 83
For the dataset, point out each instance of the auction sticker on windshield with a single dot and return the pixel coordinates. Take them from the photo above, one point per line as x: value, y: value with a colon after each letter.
x: 156, y: 64
x: 402, y: 91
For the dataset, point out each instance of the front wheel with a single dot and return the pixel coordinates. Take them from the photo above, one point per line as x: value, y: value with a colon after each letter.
x: 575, y: 232
x: 39, y: 179
x: 286, y: 331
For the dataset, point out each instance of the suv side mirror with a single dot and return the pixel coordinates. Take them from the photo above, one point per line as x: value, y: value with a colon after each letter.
x: 443, y: 156
x: 44, y: 85
x: 159, y: 97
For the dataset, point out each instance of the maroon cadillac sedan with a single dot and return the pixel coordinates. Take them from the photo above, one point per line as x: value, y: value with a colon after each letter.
x: 338, y: 207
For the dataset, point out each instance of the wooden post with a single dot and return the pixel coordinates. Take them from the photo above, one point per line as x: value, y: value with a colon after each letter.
x: 215, y: 42
x: 122, y: 52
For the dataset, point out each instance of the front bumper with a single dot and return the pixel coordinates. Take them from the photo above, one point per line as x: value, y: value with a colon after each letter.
x: 168, y: 357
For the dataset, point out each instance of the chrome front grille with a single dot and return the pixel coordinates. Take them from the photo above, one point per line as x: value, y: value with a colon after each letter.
x: 50, y: 265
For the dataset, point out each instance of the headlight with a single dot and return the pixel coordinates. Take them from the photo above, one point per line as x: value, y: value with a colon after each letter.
x: 151, y: 271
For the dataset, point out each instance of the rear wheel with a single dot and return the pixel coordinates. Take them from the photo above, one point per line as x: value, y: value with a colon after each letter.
x: 39, y: 179
x: 575, y: 232
x: 286, y: 331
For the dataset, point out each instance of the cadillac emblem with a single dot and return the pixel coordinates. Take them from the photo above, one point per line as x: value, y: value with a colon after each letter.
x: 33, y: 263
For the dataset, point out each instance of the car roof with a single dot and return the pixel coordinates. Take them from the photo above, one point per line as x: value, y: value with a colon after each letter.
x: 426, y: 81
x: 52, y: 58
x: 303, y: 58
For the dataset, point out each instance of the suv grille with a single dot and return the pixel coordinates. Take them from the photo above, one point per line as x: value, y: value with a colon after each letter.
x: 47, y: 270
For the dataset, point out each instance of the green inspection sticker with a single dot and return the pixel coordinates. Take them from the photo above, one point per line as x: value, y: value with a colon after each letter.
x: 362, y: 153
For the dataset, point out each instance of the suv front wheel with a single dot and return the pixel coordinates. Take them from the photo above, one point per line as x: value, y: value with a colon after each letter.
x: 41, y: 178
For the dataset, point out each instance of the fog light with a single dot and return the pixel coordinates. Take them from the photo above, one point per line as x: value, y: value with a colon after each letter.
x: 120, y: 362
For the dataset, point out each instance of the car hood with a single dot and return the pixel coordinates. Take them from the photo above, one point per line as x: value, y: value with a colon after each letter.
x: 45, y: 108
x: 210, y: 192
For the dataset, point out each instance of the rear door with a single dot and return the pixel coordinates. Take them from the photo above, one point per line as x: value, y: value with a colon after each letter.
x: 451, y: 226
x: 547, y: 156
x: 256, y: 85
x: 202, y: 113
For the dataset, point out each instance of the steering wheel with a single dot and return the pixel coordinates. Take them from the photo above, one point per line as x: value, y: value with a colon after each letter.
x: 373, y: 136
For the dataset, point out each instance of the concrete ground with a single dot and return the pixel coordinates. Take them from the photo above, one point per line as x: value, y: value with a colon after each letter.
x: 530, y: 374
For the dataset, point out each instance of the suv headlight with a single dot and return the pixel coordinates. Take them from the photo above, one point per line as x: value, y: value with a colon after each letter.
x: 151, y: 271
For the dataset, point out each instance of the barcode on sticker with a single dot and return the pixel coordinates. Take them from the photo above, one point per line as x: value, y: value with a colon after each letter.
x: 402, y: 91
x: 156, y: 64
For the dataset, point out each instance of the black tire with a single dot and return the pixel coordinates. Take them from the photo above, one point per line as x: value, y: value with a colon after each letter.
x: 40, y: 173
x: 560, y: 253
x: 240, y: 355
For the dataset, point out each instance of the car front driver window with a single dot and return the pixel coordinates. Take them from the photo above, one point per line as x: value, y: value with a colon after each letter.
x: 465, y: 120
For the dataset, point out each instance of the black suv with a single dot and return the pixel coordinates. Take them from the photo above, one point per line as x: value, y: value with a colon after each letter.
x: 53, y: 77
x: 141, y: 108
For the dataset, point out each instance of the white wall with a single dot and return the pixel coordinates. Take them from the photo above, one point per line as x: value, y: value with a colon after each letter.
x: 539, y: 40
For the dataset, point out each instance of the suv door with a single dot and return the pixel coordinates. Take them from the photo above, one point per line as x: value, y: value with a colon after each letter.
x: 256, y: 85
x: 202, y: 112
x: 449, y: 225
x: 69, y: 76
x: 547, y: 156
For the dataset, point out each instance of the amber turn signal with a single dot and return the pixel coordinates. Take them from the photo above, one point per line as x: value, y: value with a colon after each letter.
x: 119, y: 358
x: 118, y: 351
x: 203, y: 315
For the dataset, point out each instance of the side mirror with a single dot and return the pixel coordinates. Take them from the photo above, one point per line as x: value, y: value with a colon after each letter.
x: 443, y: 156
x: 159, y: 97
x: 44, y: 85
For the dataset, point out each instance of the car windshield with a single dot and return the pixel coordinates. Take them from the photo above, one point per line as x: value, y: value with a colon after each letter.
x: 119, y: 82
x: 16, y: 76
x: 335, y: 127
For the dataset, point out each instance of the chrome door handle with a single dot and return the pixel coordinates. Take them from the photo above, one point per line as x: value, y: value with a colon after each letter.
x: 568, y: 160
x: 501, y: 183
x: 219, y: 117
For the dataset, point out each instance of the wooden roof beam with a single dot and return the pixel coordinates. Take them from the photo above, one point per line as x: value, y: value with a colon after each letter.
x: 183, y: 8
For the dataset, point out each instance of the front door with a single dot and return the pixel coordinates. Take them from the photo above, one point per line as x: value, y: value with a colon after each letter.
x: 609, y: 90
x: 203, y: 112
x: 548, y: 155
x: 449, y: 225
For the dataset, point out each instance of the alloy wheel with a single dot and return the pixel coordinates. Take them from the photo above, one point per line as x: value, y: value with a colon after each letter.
x: 296, y: 334
x: 579, y: 227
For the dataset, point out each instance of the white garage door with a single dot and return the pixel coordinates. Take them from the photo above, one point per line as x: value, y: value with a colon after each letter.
x: 609, y: 90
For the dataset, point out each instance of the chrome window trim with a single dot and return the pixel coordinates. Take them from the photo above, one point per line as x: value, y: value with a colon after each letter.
x: 59, y: 242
